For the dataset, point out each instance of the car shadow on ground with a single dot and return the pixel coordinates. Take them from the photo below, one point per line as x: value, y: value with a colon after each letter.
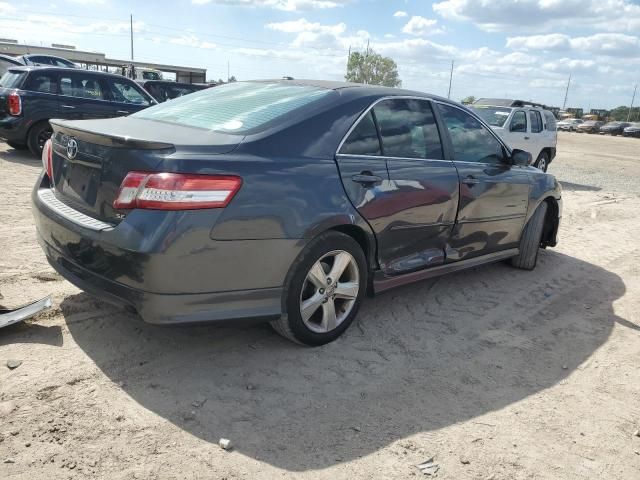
x: 24, y: 157
x: 420, y: 358
x: 577, y: 187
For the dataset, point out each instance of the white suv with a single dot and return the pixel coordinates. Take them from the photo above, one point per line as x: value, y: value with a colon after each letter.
x: 523, y: 125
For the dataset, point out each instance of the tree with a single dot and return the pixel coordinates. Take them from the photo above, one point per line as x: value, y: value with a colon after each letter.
x: 232, y: 79
x: 372, y: 68
x: 468, y: 100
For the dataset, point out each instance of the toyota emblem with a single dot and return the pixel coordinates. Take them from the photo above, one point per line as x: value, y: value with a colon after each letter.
x: 72, y: 148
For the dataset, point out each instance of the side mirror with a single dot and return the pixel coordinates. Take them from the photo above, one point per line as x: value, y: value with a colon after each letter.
x: 521, y: 158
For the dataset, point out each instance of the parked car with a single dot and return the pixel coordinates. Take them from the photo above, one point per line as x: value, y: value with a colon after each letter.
x: 633, y: 130
x: 284, y: 201
x: 6, y: 62
x: 569, y: 125
x: 163, y: 90
x: 46, y: 60
x: 31, y: 96
x: 523, y: 125
x: 613, y: 128
x: 140, y: 73
x: 589, y: 126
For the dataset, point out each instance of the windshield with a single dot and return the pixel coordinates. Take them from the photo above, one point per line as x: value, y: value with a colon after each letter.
x: 494, y: 116
x: 234, y: 107
x: 151, y: 76
x: 589, y: 123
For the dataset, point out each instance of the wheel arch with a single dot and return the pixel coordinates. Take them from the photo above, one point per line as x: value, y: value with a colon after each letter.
x: 551, y: 223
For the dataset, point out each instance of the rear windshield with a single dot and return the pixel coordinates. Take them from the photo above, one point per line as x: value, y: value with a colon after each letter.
x: 234, y: 107
x: 11, y: 79
x: 494, y: 116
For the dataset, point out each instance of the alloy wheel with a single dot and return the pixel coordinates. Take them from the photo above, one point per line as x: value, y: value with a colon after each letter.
x: 329, y: 291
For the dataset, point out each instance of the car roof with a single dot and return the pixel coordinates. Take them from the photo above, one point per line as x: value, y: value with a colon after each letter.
x: 167, y: 82
x: 29, y: 68
x: 355, y: 89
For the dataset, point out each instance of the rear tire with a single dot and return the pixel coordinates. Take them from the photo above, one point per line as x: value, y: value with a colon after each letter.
x: 542, y: 163
x: 530, y: 240
x: 329, y: 304
x: 17, y: 146
x: 37, y: 137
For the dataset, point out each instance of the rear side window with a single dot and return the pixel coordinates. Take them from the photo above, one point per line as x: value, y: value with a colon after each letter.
x: 12, y: 79
x: 536, y: 121
x: 42, y: 82
x: 471, y: 141
x: 81, y: 86
x: 363, y: 140
x: 124, y: 92
x: 408, y: 129
x: 551, y: 121
x: 235, y: 107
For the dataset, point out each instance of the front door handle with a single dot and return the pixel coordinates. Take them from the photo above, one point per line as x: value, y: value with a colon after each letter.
x: 526, y: 138
x: 470, y: 180
x: 366, y: 179
x: 124, y: 112
x: 68, y: 107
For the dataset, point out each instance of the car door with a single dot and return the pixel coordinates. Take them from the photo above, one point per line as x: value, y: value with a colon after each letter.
x: 408, y: 199
x: 538, y: 137
x: 83, y: 96
x: 494, y: 194
x: 42, y: 103
x: 125, y: 97
x: 423, y: 187
x: 517, y: 131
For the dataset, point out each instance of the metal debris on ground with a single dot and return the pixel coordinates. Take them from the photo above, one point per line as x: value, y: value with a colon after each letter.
x: 9, y: 316
x: 429, y: 467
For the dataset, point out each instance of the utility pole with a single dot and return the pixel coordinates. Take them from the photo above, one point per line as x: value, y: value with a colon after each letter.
x: 450, y: 80
x: 131, y: 18
x: 632, y: 99
x: 228, y: 72
x: 564, y: 104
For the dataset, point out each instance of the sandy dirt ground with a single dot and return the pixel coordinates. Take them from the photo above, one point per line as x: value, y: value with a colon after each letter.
x: 496, y: 373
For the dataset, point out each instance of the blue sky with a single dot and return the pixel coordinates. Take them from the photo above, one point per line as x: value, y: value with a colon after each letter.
x: 500, y: 48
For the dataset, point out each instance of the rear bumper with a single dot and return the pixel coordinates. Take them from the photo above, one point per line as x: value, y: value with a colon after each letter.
x: 13, y: 129
x: 260, y: 304
x: 168, y: 269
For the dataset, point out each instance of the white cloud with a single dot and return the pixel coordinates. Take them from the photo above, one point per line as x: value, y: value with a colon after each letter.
x: 419, y: 26
x: 607, y: 44
x: 400, y: 14
x: 303, y: 25
x: 285, y: 5
x: 6, y: 8
x: 192, y: 41
x: 500, y: 15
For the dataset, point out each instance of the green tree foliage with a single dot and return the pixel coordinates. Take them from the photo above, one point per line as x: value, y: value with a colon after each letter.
x: 620, y: 114
x: 468, y: 100
x: 372, y: 68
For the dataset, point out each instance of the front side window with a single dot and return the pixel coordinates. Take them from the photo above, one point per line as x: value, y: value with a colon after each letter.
x: 472, y: 142
x: 81, y: 86
x: 536, y: 121
x: 519, y: 122
x: 363, y: 140
x: 235, y: 107
x: 408, y: 129
x: 42, y: 82
x: 124, y: 92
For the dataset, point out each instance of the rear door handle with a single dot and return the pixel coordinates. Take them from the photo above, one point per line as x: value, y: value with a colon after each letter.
x: 526, y: 138
x: 123, y: 112
x: 366, y: 179
x: 470, y: 180
x: 68, y: 107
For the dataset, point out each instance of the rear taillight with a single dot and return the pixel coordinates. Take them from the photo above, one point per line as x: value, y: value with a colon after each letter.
x: 47, y: 159
x: 175, y: 191
x: 14, y: 103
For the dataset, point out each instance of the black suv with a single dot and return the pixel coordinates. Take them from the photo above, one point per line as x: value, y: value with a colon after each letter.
x: 31, y: 96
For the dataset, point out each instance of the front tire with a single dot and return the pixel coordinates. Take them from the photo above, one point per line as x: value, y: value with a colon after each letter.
x: 37, y: 137
x: 530, y: 240
x: 542, y: 163
x: 324, y: 290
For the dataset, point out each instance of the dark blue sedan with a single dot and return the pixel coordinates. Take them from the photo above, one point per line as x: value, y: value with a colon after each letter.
x: 285, y: 201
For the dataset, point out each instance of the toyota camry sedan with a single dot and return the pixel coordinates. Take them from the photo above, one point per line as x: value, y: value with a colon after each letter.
x: 285, y: 201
